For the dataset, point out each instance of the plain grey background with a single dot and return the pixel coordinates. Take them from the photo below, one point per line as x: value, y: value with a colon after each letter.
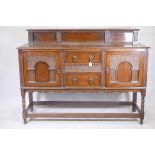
x: 10, y: 99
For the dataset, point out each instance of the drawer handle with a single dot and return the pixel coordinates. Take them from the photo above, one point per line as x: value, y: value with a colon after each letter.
x: 90, y: 61
x: 91, y: 81
x: 74, y: 59
x: 74, y: 80
x: 91, y: 58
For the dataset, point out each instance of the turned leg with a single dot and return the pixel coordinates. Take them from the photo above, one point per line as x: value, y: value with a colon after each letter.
x: 31, y: 101
x: 143, y: 93
x: 24, y: 108
x: 134, y: 102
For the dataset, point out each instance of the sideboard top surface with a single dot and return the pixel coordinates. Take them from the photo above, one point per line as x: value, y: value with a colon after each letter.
x: 77, y: 45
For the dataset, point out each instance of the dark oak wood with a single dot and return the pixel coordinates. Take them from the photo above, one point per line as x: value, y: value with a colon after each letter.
x: 82, y: 35
x: 31, y: 101
x: 42, y: 69
x: 125, y: 68
x: 85, y: 56
x: 43, y: 37
x: 134, y: 102
x: 83, y: 60
x: 84, y: 115
x: 82, y: 79
x: 86, y: 103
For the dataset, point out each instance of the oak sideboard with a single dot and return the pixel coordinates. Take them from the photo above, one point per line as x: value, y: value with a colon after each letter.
x: 86, y: 61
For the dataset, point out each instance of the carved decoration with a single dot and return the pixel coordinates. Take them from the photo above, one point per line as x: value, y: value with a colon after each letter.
x: 50, y: 60
x: 52, y: 75
x: 31, y: 75
x: 115, y: 61
x: 143, y: 93
x: 103, y: 68
x: 83, y: 68
x: 24, y: 112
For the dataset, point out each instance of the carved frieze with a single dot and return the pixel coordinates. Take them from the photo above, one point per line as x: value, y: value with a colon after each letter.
x: 33, y: 60
x: 82, y: 68
x: 116, y: 60
x: 49, y: 60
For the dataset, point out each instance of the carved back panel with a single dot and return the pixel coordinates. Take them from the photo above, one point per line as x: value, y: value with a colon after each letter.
x: 42, y: 68
x: 125, y: 68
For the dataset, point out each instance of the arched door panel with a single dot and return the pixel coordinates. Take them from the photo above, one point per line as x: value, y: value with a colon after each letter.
x: 124, y: 68
x: 41, y: 72
x: 124, y: 72
x: 42, y: 68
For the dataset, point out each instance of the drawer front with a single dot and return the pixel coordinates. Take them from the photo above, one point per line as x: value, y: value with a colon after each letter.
x: 83, y: 56
x: 83, y: 80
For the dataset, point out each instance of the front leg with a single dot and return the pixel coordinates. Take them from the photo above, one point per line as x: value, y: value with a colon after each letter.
x: 24, y: 112
x: 134, y: 102
x: 31, y: 101
x: 143, y: 94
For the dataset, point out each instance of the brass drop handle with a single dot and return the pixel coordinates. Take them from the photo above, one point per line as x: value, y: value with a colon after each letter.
x: 74, y: 59
x: 90, y: 61
x: 74, y: 80
x: 91, y: 81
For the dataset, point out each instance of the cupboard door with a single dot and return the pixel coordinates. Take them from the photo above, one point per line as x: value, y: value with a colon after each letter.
x: 42, y: 68
x: 125, y: 68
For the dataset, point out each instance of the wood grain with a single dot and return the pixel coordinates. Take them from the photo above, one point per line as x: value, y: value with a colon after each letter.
x: 86, y: 61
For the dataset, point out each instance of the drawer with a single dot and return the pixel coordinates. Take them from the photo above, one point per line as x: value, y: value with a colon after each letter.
x: 83, y: 56
x: 83, y: 80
